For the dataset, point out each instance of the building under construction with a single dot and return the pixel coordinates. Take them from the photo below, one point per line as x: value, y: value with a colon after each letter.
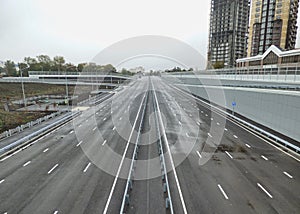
x: 228, y: 32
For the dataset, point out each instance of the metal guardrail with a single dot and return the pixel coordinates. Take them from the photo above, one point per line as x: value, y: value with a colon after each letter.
x: 163, y: 165
x: 125, y: 200
x: 20, y: 128
x: 268, y: 134
x: 36, y: 134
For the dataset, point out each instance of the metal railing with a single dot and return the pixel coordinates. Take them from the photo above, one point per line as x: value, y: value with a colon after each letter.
x: 20, y: 128
x: 129, y: 184
x: 33, y: 135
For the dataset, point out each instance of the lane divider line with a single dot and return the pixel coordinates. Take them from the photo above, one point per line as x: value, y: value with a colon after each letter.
x: 223, y: 192
x: 289, y: 175
x: 122, y: 160
x: 263, y: 189
x: 78, y: 144
x: 229, y: 155
x: 53, y: 168
x: 169, y: 152
x: 198, y: 153
x: 28, y: 162
x: 86, y: 168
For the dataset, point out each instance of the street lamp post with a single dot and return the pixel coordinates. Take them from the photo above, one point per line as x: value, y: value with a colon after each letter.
x: 67, y: 90
x: 22, y: 83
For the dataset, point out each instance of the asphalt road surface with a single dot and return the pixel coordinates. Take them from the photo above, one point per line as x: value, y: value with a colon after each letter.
x: 214, y: 165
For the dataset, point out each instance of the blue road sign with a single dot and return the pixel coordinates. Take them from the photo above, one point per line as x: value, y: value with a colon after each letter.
x: 233, y: 103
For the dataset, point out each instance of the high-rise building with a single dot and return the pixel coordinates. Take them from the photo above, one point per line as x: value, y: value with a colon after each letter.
x: 228, y: 32
x: 272, y: 22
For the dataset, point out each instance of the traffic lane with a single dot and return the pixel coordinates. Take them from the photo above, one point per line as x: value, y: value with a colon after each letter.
x: 114, y: 203
x: 278, y: 175
x: 65, y: 153
x: 147, y: 194
x: 192, y: 200
x: 9, y: 164
x: 246, y: 140
x: 177, y: 198
x: 27, y: 131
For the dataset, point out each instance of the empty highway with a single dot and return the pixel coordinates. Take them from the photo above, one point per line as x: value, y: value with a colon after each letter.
x: 213, y: 164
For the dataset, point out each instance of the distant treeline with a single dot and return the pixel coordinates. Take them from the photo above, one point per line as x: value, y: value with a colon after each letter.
x: 45, y: 63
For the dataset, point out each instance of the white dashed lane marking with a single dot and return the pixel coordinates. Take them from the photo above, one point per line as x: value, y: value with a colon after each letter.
x: 86, y: 168
x: 287, y: 174
x: 223, y: 192
x: 263, y: 189
x: 53, y: 168
x: 27, y: 163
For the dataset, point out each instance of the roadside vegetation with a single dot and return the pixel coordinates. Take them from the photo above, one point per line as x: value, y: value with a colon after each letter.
x: 10, y: 92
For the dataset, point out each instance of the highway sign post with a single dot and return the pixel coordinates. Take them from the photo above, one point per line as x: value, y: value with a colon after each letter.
x: 233, y: 105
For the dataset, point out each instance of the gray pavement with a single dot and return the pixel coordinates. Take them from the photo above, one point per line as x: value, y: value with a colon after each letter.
x: 61, y: 172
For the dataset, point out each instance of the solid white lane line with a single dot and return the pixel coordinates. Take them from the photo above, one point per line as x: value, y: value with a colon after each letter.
x: 56, y: 165
x: 248, y: 145
x: 265, y: 158
x: 114, y: 128
x: 263, y: 189
x: 104, y: 143
x: 2, y: 181
x: 209, y: 134
x: 223, y: 192
x: 16, y: 152
x: 227, y: 153
x: 28, y: 162
x: 287, y: 174
x: 94, y: 129
x: 170, y: 154
x: 78, y: 144
x: 198, y: 153
x: 3, y: 159
x: 86, y: 168
x: 122, y: 160
x: 235, y: 136
x: 71, y: 132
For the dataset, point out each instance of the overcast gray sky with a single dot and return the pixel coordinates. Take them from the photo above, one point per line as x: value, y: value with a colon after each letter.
x: 78, y: 29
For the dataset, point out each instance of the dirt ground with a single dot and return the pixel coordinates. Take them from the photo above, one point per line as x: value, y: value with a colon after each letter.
x: 13, y: 91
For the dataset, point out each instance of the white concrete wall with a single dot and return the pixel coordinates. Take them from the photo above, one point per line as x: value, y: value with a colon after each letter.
x: 276, y: 109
